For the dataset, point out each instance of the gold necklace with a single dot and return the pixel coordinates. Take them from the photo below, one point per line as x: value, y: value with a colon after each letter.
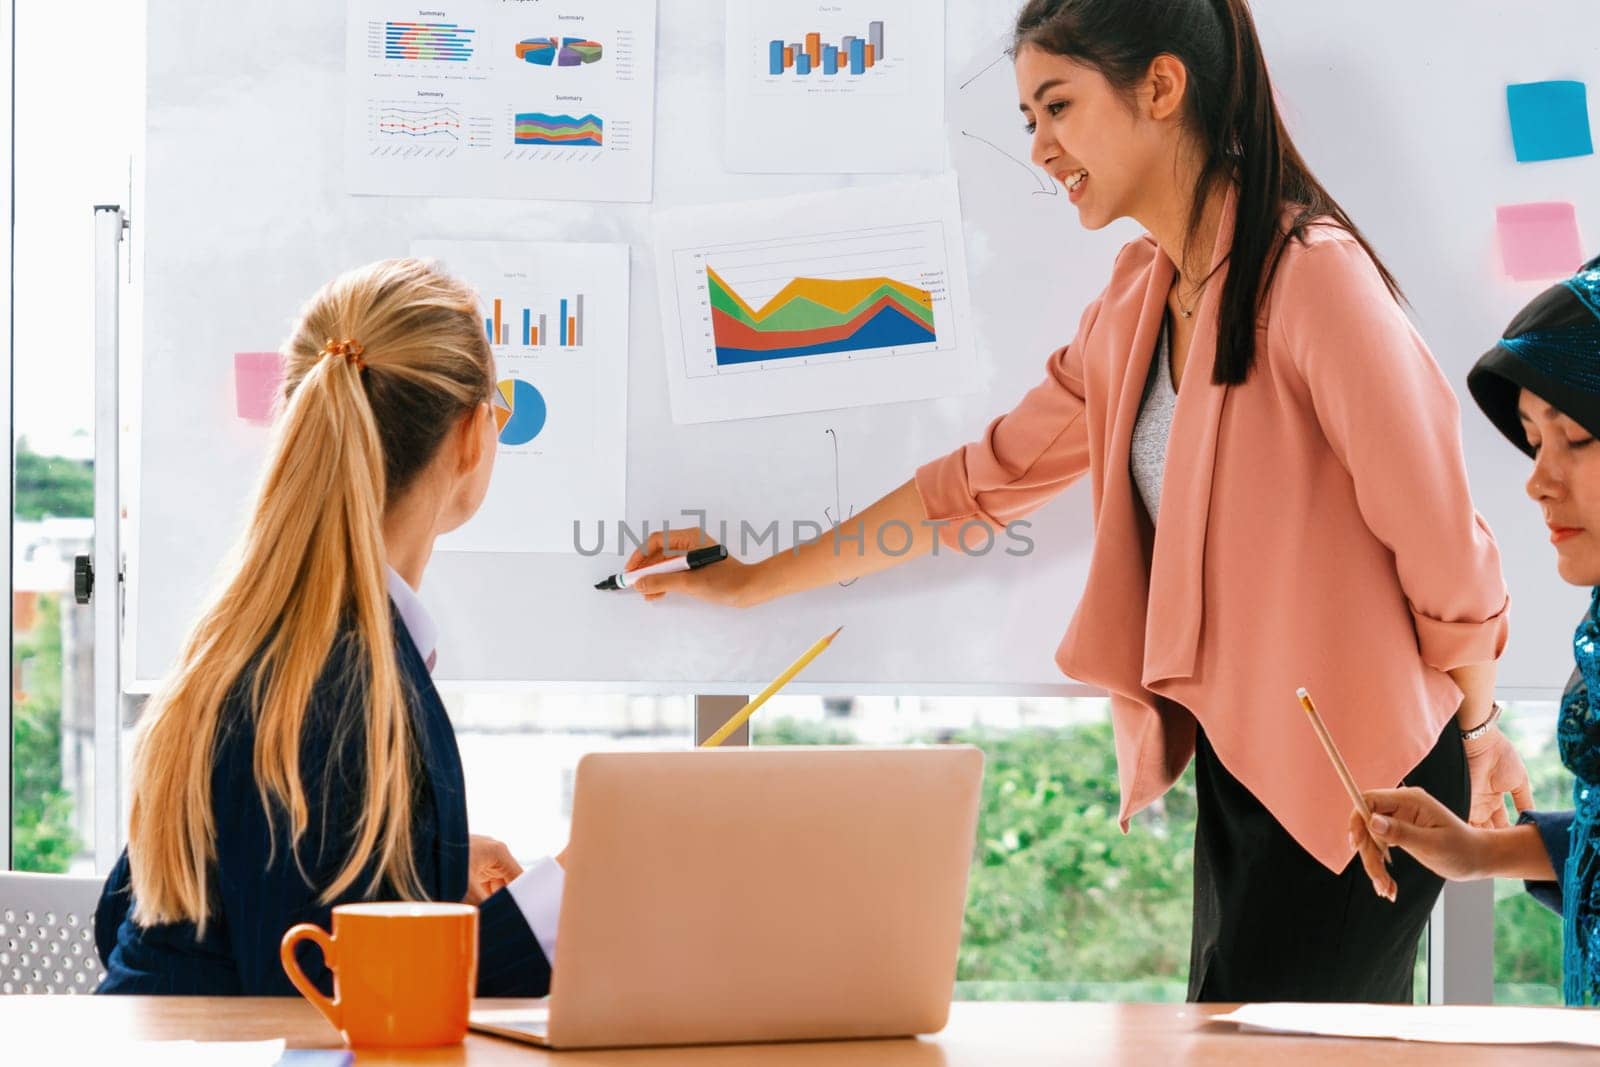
x: 1177, y: 294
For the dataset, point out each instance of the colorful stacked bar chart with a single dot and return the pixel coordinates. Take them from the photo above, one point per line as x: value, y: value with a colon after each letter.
x: 430, y: 41
x: 559, y: 51
x: 818, y: 316
x: 535, y: 333
x: 855, y: 55
x: 538, y: 128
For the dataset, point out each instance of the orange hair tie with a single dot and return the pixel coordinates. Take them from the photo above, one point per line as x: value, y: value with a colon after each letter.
x: 349, y: 350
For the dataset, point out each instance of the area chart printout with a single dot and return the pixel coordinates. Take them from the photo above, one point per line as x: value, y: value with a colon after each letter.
x: 479, y: 98
x: 556, y: 317
x: 810, y: 303
x: 850, y: 86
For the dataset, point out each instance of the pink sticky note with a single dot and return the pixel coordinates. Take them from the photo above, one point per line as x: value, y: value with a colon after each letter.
x: 1539, y: 241
x: 256, y: 379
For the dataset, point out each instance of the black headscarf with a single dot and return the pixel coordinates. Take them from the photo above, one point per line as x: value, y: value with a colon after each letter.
x: 1552, y: 348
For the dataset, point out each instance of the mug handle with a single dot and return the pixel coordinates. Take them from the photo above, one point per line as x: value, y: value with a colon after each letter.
x: 291, y: 966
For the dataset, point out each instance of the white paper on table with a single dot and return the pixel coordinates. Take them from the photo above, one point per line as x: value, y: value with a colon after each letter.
x: 484, y: 98
x: 196, y: 1053
x: 49, y: 1048
x: 887, y: 118
x: 1444, y: 1024
x: 563, y: 401
x: 906, y: 232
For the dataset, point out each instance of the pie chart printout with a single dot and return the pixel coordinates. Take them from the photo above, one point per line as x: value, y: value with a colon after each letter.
x: 555, y: 317
x: 519, y: 411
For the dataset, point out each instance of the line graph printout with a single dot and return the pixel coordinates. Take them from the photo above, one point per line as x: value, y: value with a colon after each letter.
x: 556, y: 316
x: 480, y: 98
x: 849, y: 86
x: 809, y: 303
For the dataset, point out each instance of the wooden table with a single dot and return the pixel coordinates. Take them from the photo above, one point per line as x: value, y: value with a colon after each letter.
x: 979, y: 1035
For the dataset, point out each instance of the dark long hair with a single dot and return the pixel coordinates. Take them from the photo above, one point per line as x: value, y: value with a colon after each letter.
x: 1231, y: 109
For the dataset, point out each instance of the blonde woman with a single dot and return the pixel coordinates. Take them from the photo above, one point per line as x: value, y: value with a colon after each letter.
x: 299, y: 756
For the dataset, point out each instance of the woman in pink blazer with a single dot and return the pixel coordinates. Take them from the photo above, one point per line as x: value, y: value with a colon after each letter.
x: 1279, y: 501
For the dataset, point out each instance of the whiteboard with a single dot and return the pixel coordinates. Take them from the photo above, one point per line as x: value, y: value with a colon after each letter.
x: 245, y: 214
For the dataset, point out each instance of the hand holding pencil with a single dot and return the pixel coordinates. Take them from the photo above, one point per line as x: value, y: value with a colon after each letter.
x: 1430, y: 832
x: 1384, y: 887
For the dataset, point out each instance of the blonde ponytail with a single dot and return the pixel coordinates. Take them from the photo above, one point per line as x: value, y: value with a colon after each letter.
x: 385, y: 359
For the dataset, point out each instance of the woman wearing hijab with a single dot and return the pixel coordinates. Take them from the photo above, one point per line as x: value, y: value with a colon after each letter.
x: 1540, y: 385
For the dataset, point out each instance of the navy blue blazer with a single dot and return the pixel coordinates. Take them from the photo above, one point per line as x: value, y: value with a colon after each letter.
x: 1555, y: 829
x: 261, y: 887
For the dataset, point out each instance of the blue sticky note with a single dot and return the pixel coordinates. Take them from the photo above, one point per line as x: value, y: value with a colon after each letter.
x: 1549, y: 120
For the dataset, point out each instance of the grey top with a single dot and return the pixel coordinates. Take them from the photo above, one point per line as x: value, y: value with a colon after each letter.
x: 1148, y: 459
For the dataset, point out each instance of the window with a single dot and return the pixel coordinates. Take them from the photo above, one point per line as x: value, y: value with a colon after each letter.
x: 520, y: 752
x: 60, y: 174
x: 1527, y: 936
x: 1061, y: 905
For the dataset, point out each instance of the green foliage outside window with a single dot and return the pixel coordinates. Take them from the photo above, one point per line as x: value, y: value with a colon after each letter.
x: 1060, y: 900
x: 42, y: 836
x: 1063, y: 906
x: 1527, y: 936
x: 52, y: 487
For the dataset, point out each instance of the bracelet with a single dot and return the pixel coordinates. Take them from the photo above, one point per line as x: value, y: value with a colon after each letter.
x: 1483, y: 727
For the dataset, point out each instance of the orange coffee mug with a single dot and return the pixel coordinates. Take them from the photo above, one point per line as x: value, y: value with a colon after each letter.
x: 403, y: 973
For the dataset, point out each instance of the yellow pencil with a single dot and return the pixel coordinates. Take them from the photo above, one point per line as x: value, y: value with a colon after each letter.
x: 742, y: 716
x: 1339, y: 766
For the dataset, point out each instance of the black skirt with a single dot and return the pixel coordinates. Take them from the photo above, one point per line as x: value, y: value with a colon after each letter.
x: 1271, y: 923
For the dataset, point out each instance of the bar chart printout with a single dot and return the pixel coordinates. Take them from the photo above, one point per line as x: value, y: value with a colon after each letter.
x: 840, y: 299
x: 436, y: 42
x: 846, y: 87
x: 507, y: 324
x: 851, y: 54
x: 556, y: 316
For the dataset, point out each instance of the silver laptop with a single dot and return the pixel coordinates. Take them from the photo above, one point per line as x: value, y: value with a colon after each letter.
x: 759, y: 894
